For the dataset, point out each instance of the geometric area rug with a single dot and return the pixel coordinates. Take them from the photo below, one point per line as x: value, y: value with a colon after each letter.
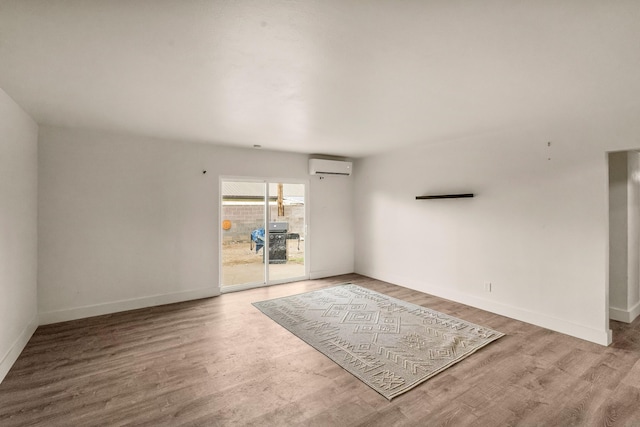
x: 389, y: 344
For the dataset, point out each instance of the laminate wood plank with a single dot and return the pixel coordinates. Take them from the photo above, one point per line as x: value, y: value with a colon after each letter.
x: 578, y: 405
x: 451, y: 416
x: 577, y: 361
x: 610, y: 369
x: 221, y: 362
x: 351, y: 412
x: 632, y: 378
x: 390, y: 416
x: 621, y: 409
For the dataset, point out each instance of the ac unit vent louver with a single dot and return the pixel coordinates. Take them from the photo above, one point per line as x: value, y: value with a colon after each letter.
x: 330, y: 167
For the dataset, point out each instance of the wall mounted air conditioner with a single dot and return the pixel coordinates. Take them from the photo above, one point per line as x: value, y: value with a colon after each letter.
x: 329, y: 167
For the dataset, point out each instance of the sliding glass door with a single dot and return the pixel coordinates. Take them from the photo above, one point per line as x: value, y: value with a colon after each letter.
x: 263, y: 233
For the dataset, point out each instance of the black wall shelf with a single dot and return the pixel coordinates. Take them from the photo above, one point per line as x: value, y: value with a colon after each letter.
x: 445, y: 196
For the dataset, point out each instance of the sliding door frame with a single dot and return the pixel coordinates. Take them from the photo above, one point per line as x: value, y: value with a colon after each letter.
x: 267, y: 218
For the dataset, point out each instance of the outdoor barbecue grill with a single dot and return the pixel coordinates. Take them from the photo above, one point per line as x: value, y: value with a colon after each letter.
x: 278, y: 237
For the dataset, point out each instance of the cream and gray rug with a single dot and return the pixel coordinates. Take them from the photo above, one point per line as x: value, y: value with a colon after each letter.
x: 389, y: 344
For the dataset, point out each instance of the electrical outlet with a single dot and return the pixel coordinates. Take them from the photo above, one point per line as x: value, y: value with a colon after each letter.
x: 487, y: 286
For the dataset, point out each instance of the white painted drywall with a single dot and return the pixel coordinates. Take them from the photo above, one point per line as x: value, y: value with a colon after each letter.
x: 18, y: 230
x: 537, y: 228
x: 127, y: 222
x: 331, y: 233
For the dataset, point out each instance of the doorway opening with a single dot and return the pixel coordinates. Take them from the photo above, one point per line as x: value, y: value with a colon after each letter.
x: 624, y: 235
x: 263, y: 236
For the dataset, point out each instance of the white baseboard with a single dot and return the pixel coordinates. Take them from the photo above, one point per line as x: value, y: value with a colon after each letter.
x: 626, y: 316
x: 16, y: 348
x: 634, y: 312
x: 602, y: 337
x: 321, y: 274
x: 74, y: 313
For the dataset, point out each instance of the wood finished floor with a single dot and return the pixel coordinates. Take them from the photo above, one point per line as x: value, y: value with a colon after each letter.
x: 220, y: 362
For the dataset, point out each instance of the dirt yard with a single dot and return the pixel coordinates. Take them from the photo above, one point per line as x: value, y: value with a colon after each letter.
x: 241, y: 253
x: 242, y: 265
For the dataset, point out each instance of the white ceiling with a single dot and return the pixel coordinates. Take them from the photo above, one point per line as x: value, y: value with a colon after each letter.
x: 339, y: 77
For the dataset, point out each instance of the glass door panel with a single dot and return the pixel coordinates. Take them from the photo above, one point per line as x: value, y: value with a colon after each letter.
x: 243, y: 234
x: 286, y: 232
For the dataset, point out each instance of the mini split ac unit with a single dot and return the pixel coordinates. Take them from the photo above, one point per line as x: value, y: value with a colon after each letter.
x: 329, y: 167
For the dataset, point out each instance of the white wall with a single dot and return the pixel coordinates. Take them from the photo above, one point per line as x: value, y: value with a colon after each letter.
x: 537, y: 228
x: 127, y: 222
x: 332, y: 238
x: 624, y: 235
x: 18, y: 230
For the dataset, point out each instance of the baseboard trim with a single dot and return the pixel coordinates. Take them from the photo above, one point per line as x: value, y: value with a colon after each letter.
x: 75, y: 313
x: 16, y: 348
x: 548, y: 322
x: 635, y: 312
x: 622, y: 315
x: 321, y: 274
